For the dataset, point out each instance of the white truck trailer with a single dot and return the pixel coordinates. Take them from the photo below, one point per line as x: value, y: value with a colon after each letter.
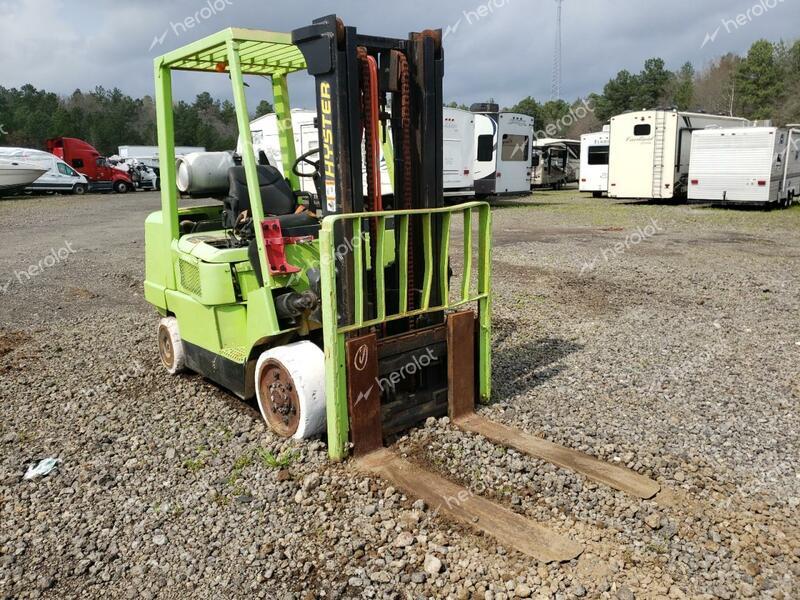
x: 503, y: 143
x: 651, y: 150
x: 754, y: 165
x: 594, y: 162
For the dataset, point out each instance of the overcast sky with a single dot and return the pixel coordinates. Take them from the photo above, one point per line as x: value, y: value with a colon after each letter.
x: 501, y: 48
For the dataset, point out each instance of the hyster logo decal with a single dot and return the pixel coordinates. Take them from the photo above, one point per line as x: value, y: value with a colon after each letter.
x: 327, y: 145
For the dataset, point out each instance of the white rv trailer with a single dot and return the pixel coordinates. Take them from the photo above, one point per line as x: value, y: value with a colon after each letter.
x: 503, y: 144
x: 264, y: 130
x: 58, y: 176
x: 753, y: 165
x: 458, y: 152
x: 555, y: 162
x: 459, y: 144
x: 651, y: 149
x: 594, y: 162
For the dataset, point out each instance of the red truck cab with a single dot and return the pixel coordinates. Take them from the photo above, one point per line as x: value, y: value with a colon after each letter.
x: 84, y: 158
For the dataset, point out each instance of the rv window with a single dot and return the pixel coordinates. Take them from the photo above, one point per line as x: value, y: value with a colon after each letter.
x: 643, y: 129
x: 515, y: 148
x: 485, y: 147
x: 598, y: 155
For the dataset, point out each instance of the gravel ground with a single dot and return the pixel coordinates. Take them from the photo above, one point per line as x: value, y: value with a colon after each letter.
x: 665, y: 338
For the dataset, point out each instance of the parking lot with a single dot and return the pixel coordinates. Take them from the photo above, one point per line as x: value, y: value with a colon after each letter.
x: 662, y: 337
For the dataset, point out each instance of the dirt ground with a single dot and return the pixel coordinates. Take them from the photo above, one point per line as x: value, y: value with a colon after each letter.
x: 662, y: 337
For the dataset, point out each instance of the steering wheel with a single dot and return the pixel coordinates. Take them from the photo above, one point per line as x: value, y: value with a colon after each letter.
x: 306, y: 158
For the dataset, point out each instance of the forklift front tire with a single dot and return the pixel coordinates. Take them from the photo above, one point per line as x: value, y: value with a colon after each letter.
x: 170, y: 346
x: 290, y: 389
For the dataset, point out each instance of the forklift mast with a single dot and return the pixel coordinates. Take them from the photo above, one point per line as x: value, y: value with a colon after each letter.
x: 372, y: 90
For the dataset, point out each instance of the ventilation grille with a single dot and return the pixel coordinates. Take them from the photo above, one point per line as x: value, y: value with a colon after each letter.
x: 190, y: 277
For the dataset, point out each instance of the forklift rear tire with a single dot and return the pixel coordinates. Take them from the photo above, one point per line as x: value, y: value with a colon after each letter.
x: 290, y: 389
x: 170, y: 346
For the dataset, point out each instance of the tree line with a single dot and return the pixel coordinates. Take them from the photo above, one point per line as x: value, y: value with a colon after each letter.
x: 108, y: 119
x: 763, y: 84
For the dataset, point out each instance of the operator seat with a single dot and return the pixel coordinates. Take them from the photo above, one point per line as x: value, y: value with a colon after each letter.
x: 277, y: 199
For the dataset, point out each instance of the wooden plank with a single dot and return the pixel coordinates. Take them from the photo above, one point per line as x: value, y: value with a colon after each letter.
x: 444, y: 496
x: 619, y: 478
x: 364, y: 394
x: 461, y: 364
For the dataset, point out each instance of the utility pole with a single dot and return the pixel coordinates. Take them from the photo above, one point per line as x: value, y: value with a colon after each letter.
x: 556, y: 91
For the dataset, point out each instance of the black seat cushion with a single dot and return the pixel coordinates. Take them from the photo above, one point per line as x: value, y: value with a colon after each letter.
x: 276, y: 195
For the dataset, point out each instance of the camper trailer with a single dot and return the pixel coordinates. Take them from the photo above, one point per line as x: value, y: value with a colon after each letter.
x: 267, y: 147
x: 555, y: 163
x: 754, y: 165
x: 651, y: 149
x: 594, y: 162
x: 458, y: 152
x: 503, y: 144
x: 459, y: 143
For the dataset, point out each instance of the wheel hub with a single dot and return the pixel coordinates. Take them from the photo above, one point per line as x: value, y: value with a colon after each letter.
x: 280, y: 402
x: 165, y: 349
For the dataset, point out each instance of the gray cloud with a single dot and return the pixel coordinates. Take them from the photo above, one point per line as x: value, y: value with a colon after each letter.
x: 501, y: 48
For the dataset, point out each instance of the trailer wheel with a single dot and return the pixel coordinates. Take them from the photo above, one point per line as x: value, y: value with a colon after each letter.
x: 79, y: 189
x: 290, y: 389
x: 170, y: 346
x: 121, y: 187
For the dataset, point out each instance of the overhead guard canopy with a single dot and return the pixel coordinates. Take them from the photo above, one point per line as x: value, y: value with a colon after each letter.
x: 261, y: 52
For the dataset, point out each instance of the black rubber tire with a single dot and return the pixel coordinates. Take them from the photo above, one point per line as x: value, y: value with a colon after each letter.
x: 121, y: 187
x: 79, y: 189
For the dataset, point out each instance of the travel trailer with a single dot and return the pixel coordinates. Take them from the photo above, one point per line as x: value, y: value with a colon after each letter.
x: 458, y: 153
x: 594, y: 162
x: 459, y: 144
x: 503, y: 144
x: 754, y: 165
x: 266, y: 145
x: 16, y: 175
x: 56, y: 175
x: 651, y: 149
x: 555, y: 163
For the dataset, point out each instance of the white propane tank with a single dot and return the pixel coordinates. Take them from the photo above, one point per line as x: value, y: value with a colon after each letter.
x: 204, y: 172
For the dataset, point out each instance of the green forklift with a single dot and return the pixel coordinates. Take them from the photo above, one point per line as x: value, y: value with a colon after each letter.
x: 345, y: 312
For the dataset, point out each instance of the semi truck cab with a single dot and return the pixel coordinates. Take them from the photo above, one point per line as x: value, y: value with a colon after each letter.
x: 85, y: 158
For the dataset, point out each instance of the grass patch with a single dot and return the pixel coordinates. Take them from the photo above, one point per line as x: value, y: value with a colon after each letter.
x: 268, y: 459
